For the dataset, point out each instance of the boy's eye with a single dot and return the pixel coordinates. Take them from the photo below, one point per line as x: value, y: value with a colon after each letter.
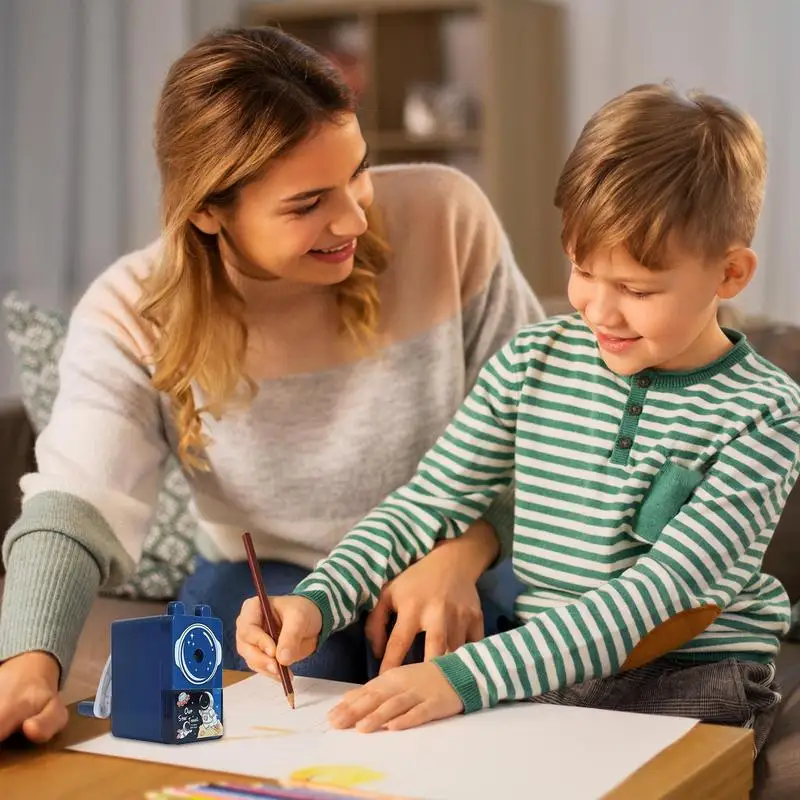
x: 637, y: 295
x: 579, y: 272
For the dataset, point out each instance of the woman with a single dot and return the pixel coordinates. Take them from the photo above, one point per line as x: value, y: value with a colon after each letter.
x: 299, y: 335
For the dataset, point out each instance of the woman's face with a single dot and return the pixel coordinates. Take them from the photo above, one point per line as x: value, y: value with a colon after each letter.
x: 302, y: 219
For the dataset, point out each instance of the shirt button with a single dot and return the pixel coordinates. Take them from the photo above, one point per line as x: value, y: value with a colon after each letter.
x: 643, y: 381
x: 625, y: 443
x: 634, y: 411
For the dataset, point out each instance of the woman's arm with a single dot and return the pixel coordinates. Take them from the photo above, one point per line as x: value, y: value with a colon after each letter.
x: 86, y: 510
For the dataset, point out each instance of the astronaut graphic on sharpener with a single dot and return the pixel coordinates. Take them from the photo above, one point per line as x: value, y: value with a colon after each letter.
x: 211, y: 726
x: 197, y: 717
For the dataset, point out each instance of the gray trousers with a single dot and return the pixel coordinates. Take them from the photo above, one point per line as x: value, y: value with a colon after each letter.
x: 727, y: 692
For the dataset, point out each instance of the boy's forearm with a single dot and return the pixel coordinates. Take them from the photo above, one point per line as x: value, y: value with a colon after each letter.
x: 456, y: 483
x: 388, y: 541
x: 384, y: 544
x: 342, y: 588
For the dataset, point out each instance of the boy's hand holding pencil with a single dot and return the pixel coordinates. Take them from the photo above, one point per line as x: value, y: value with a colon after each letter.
x: 300, y: 623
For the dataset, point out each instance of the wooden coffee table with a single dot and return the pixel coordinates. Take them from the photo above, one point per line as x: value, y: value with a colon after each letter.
x: 711, y: 762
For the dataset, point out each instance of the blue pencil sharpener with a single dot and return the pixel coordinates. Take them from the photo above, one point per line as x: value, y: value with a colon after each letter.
x: 163, y: 679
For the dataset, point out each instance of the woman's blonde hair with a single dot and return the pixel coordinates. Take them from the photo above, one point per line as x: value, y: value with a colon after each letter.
x: 231, y: 104
x: 653, y: 163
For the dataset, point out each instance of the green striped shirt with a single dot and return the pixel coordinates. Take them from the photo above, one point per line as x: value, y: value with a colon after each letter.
x: 636, y: 498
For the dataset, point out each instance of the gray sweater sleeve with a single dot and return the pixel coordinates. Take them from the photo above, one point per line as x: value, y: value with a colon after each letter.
x: 86, y: 510
x: 490, y: 320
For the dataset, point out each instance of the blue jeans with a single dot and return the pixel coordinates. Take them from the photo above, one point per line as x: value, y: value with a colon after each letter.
x: 344, y: 656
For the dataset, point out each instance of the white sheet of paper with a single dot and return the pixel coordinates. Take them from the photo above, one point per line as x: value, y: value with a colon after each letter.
x: 516, y: 750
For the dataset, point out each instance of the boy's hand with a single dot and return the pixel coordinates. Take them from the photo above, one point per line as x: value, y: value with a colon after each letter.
x: 401, y: 698
x: 300, y: 621
x: 29, y: 697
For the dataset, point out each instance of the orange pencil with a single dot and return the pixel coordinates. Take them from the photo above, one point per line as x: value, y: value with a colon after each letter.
x: 270, y: 623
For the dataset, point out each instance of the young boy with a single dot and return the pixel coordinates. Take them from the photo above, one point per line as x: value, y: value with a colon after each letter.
x: 652, y: 453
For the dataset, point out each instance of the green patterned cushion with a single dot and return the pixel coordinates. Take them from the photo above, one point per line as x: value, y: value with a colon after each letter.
x: 36, y: 337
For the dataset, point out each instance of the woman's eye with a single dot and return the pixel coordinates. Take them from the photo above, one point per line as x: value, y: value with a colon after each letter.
x: 363, y: 167
x: 301, y: 212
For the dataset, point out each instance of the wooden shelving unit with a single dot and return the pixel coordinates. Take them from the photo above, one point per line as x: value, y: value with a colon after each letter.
x: 399, y: 140
x: 518, y: 142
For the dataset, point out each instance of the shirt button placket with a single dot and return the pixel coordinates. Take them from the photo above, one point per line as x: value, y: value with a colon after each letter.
x: 630, y: 419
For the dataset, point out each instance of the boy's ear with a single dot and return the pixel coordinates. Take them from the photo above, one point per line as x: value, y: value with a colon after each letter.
x: 207, y: 219
x: 740, y: 265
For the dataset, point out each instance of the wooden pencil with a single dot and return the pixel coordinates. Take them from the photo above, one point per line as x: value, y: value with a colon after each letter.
x: 270, y: 622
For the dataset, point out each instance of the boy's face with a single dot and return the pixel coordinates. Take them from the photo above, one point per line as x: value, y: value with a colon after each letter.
x: 650, y: 319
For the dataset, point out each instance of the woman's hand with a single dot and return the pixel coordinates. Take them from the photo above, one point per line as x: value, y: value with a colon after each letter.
x: 300, y: 621
x: 436, y: 595
x: 400, y: 699
x: 29, y: 698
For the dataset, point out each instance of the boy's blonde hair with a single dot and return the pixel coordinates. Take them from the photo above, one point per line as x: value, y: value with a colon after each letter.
x: 654, y: 164
x: 232, y: 104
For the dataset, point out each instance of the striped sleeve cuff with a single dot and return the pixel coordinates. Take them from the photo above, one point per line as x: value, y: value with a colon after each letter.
x: 462, y: 680
x: 320, y: 600
x: 50, y: 585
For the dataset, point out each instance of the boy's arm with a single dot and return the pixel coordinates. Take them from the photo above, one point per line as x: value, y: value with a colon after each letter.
x: 701, y: 561
x: 468, y: 467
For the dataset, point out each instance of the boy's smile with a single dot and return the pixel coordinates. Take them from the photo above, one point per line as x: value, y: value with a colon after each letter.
x: 615, y: 344
x: 655, y: 318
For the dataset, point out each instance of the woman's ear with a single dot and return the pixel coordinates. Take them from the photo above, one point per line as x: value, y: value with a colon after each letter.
x: 740, y: 266
x: 207, y: 219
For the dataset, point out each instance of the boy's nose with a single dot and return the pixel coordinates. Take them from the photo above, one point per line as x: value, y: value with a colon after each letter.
x: 602, y: 311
